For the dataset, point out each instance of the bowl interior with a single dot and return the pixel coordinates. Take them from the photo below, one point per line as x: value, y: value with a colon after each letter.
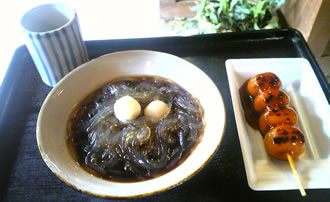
x: 52, y: 120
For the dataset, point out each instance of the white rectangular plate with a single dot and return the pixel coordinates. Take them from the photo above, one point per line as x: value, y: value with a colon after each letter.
x: 306, y: 96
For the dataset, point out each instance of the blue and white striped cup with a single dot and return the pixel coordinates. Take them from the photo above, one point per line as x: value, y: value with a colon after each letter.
x: 54, y: 40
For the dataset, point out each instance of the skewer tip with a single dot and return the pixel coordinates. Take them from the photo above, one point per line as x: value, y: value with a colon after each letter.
x: 295, y: 173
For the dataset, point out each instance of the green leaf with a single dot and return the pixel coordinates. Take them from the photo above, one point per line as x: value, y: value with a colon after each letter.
x: 241, y: 13
x: 224, y: 6
x: 215, y: 5
x: 219, y: 11
x: 213, y: 18
x: 255, y: 26
x: 258, y: 9
x: 276, y: 4
x: 243, y: 27
x: 232, y: 4
x: 204, y: 3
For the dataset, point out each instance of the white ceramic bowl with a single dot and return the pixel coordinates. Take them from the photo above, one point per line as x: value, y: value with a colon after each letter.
x: 74, y: 87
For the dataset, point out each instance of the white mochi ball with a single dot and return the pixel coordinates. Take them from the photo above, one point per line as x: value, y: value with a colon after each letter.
x: 156, y: 109
x: 127, y: 108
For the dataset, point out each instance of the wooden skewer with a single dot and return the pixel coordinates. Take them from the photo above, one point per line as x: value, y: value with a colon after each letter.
x: 295, y: 173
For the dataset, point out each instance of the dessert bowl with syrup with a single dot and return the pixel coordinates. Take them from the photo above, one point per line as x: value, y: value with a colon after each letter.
x: 95, y: 145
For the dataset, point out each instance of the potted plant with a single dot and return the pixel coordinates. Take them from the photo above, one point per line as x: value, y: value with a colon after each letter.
x: 233, y: 15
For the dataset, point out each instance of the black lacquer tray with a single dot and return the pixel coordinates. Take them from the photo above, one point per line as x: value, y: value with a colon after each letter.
x: 25, y: 177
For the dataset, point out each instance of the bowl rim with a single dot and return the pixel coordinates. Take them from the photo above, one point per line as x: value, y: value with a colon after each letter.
x: 149, y: 193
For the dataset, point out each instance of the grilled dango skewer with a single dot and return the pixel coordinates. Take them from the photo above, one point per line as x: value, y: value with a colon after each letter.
x: 282, y: 140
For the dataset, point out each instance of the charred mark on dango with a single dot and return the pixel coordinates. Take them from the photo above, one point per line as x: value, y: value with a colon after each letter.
x: 279, y: 140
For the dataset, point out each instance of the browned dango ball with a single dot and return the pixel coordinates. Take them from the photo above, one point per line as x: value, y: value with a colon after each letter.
x: 284, y: 139
x: 270, y: 98
x: 276, y: 116
x: 262, y: 82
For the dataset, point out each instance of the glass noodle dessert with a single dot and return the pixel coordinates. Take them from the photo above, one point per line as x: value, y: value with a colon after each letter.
x: 135, y: 128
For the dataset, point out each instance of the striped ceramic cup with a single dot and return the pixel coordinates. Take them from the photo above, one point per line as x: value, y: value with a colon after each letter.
x: 54, y: 40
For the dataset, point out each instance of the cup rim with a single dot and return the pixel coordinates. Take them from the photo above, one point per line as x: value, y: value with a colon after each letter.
x: 73, y: 10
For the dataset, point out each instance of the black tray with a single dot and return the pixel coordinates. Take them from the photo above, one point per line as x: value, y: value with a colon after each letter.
x: 24, y: 175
